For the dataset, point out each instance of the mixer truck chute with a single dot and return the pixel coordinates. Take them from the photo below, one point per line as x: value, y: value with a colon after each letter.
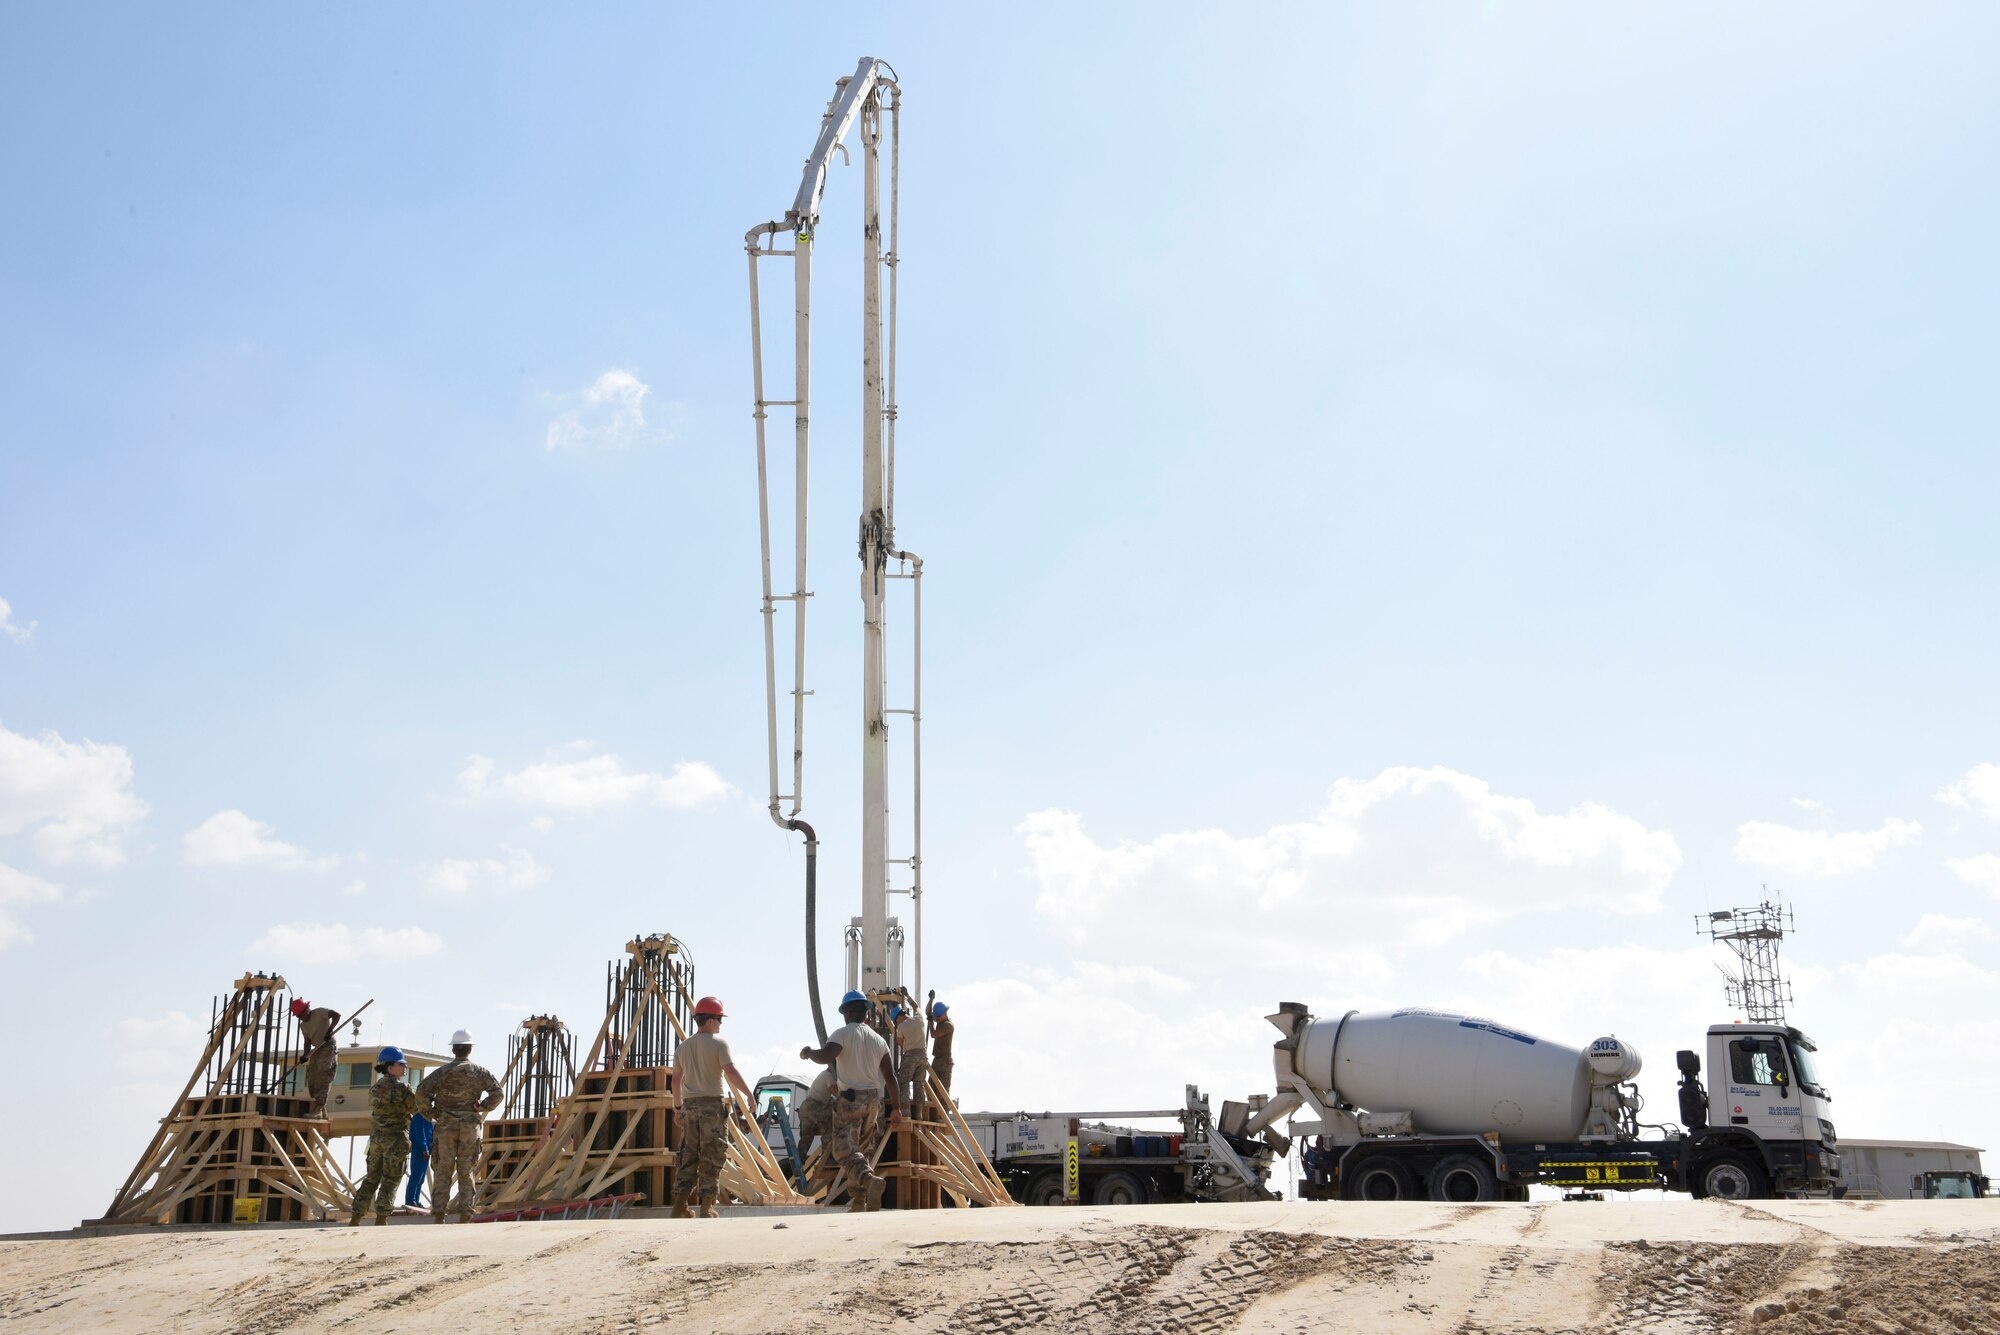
x: 1421, y: 1103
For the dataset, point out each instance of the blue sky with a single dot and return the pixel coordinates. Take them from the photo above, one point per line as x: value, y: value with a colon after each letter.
x: 1418, y: 502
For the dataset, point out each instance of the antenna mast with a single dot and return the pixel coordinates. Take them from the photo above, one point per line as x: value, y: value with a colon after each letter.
x: 1757, y: 987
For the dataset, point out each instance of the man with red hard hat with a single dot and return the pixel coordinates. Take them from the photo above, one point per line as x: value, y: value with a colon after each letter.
x: 701, y: 1064
x: 319, y: 1026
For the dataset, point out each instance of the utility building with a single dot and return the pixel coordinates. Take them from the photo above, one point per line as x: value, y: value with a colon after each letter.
x: 1891, y: 1169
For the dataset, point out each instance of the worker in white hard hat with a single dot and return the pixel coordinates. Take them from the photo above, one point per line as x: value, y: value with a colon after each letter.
x: 457, y: 1096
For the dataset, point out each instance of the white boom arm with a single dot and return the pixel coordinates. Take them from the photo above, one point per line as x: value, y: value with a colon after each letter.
x: 867, y: 98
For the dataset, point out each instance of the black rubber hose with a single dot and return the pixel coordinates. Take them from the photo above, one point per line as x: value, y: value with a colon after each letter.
x: 812, y: 924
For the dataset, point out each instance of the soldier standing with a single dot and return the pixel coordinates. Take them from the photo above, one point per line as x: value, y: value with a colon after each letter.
x: 701, y: 1064
x: 941, y: 1034
x: 457, y: 1096
x: 319, y: 1027
x: 390, y: 1105
x: 861, y: 1070
x: 911, y: 1062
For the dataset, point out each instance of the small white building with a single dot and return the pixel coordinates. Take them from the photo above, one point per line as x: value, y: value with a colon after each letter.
x: 1885, y: 1169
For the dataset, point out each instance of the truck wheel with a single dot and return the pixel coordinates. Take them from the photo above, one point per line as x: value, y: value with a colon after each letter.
x: 1044, y: 1188
x: 1463, y: 1179
x: 1379, y: 1178
x: 1118, y: 1189
x: 1732, y: 1177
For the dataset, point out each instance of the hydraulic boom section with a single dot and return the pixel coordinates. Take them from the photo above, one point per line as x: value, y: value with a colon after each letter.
x: 868, y: 102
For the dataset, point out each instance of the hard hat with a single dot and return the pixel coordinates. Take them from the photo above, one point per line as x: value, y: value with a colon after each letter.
x: 707, y: 1007
x: 853, y: 999
x: 389, y: 1056
x: 299, y: 1007
x: 895, y: 1012
x: 938, y: 1008
x: 460, y: 1036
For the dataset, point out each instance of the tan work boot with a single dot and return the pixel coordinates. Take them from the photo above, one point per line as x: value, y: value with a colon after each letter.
x: 877, y: 1184
x: 354, y: 1218
x: 438, y: 1218
x: 704, y: 1208
x: 381, y: 1219
x: 681, y: 1210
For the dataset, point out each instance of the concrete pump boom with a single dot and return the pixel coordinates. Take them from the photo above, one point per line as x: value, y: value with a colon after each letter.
x: 867, y: 98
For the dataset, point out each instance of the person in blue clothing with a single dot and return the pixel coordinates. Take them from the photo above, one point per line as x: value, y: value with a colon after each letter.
x: 420, y: 1159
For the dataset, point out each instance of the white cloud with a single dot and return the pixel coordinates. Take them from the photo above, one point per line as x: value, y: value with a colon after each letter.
x: 1982, y: 870
x: 518, y: 871
x: 1820, y: 852
x: 1411, y: 853
x: 18, y: 634
x: 1940, y: 973
x: 335, y: 943
x: 1934, y: 929
x: 1808, y: 804
x: 1978, y: 789
x: 356, y: 886
x: 158, y: 1047
x: 18, y: 887
x: 232, y: 839
x: 77, y: 795
x: 599, y: 781
x: 611, y: 416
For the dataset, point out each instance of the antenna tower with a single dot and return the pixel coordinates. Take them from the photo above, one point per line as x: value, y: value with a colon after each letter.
x: 1757, y: 987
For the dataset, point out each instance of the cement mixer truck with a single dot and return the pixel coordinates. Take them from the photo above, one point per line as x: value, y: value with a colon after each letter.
x: 1430, y: 1104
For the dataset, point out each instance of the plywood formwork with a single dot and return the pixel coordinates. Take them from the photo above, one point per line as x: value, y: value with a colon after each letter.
x: 930, y: 1159
x: 540, y: 1073
x: 613, y: 1132
x: 248, y: 1147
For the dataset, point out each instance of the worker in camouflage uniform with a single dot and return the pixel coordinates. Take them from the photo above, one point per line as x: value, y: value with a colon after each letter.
x: 319, y: 1026
x: 912, y: 1061
x: 816, y: 1111
x: 942, y: 1032
x: 701, y: 1064
x: 457, y: 1096
x: 864, y: 1078
x: 390, y: 1103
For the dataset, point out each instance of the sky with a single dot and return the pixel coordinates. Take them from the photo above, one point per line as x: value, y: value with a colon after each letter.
x: 1419, y: 503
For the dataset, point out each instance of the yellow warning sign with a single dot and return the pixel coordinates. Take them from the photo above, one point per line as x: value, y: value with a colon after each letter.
x: 249, y: 1210
x: 1072, y: 1173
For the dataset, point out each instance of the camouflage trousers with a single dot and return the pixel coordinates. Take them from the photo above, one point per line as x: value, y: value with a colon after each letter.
x: 319, y: 1076
x: 943, y: 1068
x: 915, y: 1089
x: 387, y: 1157
x: 815, y: 1119
x: 704, y: 1147
x: 455, y: 1154
x: 855, y: 1122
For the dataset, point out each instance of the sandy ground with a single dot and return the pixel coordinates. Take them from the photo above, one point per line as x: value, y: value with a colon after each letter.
x: 1682, y: 1266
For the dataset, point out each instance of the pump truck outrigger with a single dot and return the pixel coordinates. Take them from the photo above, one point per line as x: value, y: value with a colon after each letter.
x: 1416, y: 1104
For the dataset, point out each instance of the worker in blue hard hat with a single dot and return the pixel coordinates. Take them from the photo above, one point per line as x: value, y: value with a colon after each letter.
x: 863, y: 1078
x: 941, y: 1035
x: 390, y: 1106
x: 912, y: 1056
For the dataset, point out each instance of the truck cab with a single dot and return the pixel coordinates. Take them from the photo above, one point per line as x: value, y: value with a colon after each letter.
x: 1763, y: 1128
x: 1950, y: 1186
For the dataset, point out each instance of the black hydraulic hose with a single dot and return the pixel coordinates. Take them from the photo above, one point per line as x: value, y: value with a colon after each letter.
x: 812, y: 924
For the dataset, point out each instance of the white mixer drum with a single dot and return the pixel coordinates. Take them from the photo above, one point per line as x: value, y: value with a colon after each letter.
x: 1455, y: 1074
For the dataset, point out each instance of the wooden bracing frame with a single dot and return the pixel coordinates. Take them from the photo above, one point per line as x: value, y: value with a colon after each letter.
x: 936, y: 1157
x: 617, y: 1124
x: 235, y: 1142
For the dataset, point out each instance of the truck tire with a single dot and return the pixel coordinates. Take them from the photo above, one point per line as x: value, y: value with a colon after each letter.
x: 1732, y: 1177
x: 1378, y: 1178
x: 1463, y: 1179
x: 1119, y: 1189
x: 1044, y: 1188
